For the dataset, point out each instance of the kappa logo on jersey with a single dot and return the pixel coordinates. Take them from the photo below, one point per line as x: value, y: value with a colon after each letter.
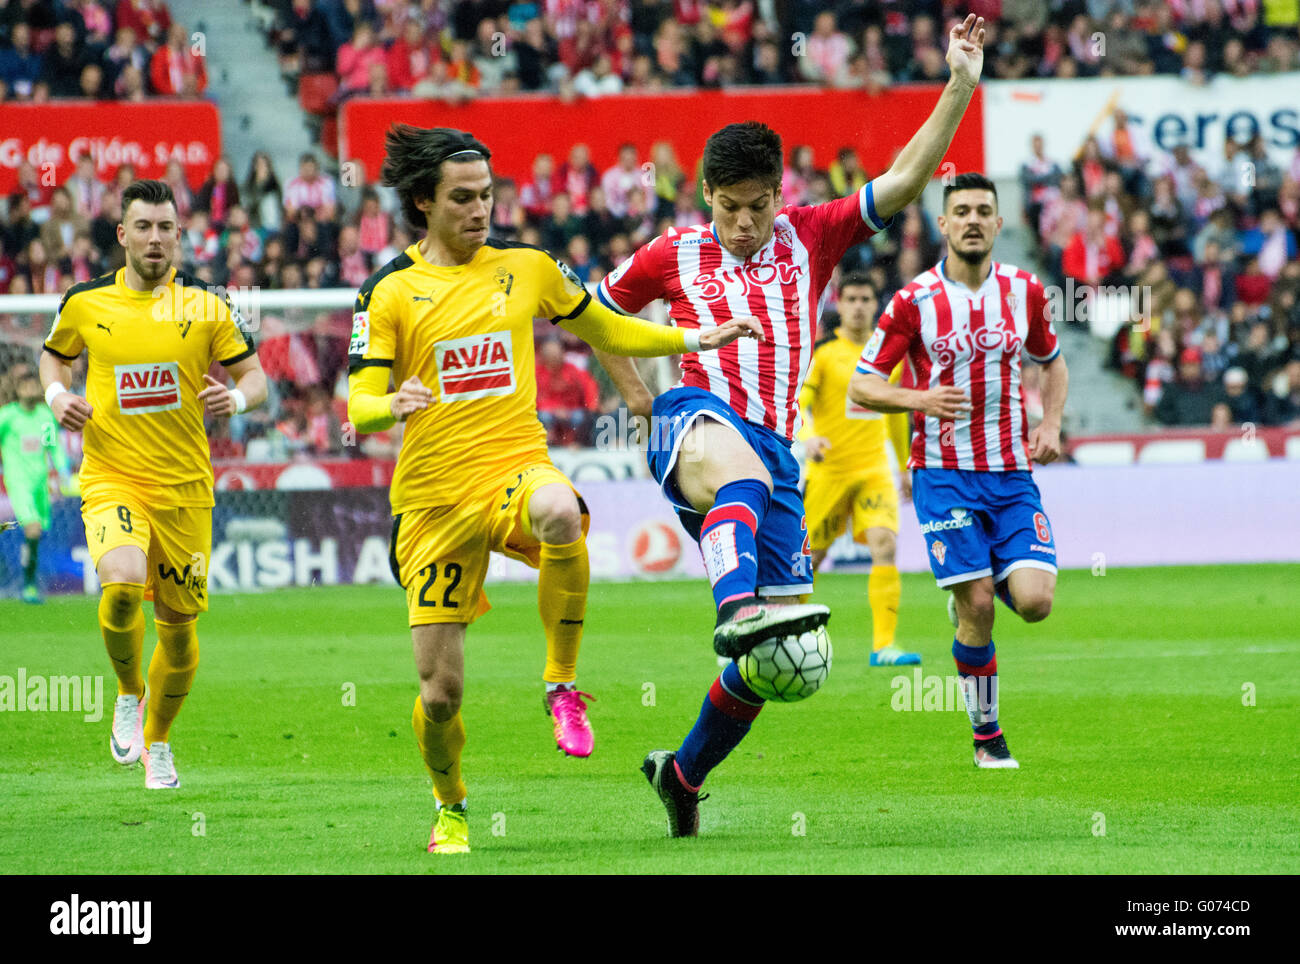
x: 480, y: 366
x: 960, y: 520
x: 142, y: 389
x: 360, y: 342
x: 687, y: 242
x: 744, y: 279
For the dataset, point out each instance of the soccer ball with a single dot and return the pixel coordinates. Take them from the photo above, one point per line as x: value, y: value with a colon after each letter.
x: 788, y: 668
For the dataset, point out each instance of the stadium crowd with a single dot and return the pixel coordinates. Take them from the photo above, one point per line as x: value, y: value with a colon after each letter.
x: 1217, y: 252
x: 598, y: 47
x: 1211, y: 250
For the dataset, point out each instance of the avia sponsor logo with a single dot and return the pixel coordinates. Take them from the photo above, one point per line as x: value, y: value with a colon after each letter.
x: 960, y: 520
x: 744, y: 279
x: 142, y: 389
x: 476, y: 367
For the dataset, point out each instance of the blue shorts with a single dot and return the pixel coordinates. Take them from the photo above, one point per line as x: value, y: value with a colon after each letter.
x: 784, y: 557
x: 978, y: 524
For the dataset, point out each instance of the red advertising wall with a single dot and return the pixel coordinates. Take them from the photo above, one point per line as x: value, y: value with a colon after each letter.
x: 517, y: 129
x: 53, y: 135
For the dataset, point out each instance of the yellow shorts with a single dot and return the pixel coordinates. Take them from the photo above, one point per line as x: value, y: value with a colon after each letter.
x: 440, y: 554
x: 869, y: 499
x: 176, y: 541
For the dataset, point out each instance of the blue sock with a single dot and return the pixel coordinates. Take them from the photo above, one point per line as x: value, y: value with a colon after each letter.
x: 725, y: 718
x: 1003, y: 589
x: 727, y: 538
x: 978, y: 667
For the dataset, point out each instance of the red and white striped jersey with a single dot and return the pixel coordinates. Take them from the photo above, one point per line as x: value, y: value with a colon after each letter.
x: 950, y: 335
x: 783, y: 285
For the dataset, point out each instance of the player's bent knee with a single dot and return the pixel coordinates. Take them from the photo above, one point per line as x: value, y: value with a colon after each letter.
x: 121, y: 603
x: 441, y: 697
x: 554, y: 516
x: 1035, y: 608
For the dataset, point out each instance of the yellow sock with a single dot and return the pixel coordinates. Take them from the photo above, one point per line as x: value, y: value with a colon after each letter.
x: 121, y: 620
x: 440, y: 745
x: 884, y: 590
x: 171, y: 673
x: 562, y: 601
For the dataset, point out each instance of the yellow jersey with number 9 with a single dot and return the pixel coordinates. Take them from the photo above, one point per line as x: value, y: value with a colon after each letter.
x: 147, y: 354
x: 467, y: 333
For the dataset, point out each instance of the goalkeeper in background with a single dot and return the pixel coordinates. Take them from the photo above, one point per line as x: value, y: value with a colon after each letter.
x: 450, y: 320
x: 850, y: 475
x: 29, y: 440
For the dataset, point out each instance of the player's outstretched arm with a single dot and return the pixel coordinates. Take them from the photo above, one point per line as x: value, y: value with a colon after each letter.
x: 916, y: 163
x: 873, y: 392
x: 249, y: 390
x: 622, y: 335
x: 70, y: 411
x: 1045, y: 439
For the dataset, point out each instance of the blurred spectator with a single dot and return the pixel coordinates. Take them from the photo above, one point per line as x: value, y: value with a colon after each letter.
x: 577, y: 176
x: 20, y: 65
x: 63, y: 224
x: 63, y: 62
x: 1239, y: 397
x: 620, y: 179
x: 846, y: 173
x: 507, y: 212
x: 1271, y: 242
x: 567, y: 397
x: 411, y: 57
x: 536, y: 194
x: 1283, y: 403
x: 262, y: 194
x: 1189, y: 399
x: 175, y: 70
x: 86, y: 189
x: 149, y: 19
x: 356, y: 57
x: 219, y: 193
x: 19, y: 228
x: 374, y: 226
x: 124, y: 52
x: 1093, y: 256
x: 175, y: 179
x: 561, y: 225
x: 310, y: 189
x: 302, y: 34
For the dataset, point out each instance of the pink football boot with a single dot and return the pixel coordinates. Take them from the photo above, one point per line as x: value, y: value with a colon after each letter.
x: 572, y: 730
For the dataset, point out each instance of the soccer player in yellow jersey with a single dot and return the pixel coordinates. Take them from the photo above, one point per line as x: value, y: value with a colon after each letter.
x: 450, y: 321
x: 850, y: 476
x: 152, y: 334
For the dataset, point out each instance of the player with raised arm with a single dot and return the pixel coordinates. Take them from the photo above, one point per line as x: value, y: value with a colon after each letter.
x: 852, y: 454
x: 152, y: 334
x: 450, y: 320
x: 29, y: 439
x: 720, y: 440
x: 959, y: 328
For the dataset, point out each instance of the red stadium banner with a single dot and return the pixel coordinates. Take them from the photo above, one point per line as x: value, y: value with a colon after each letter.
x: 52, y: 136
x: 517, y: 129
x: 240, y: 475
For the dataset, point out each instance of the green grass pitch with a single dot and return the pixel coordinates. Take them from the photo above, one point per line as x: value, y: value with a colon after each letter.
x: 1127, y: 710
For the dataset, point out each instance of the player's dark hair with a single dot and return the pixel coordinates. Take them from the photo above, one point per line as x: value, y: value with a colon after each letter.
x: 857, y: 279
x: 150, y: 192
x: 743, y: 152
x: 413, y: 158
x: 969, y: 181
